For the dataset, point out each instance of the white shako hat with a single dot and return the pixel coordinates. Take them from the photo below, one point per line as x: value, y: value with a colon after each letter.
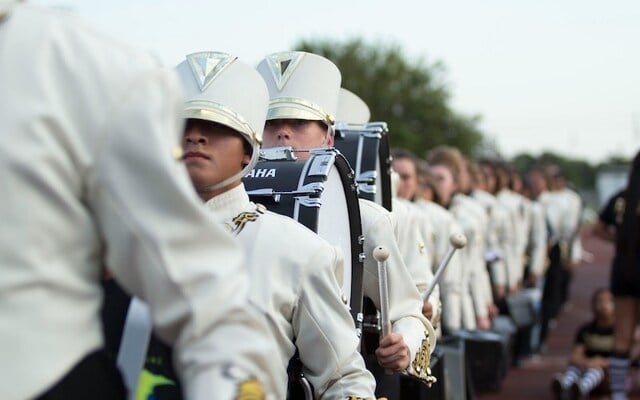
x: 219, y: 88
x: 301, y: 86
x: 352, y: 110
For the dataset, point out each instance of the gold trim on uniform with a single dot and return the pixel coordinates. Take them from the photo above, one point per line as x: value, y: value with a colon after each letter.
x: 240, y: 221
x: 297, y: 108
x: 421, y: 247
x: 250, y: 389
x: 214, y: 112
x: 421, y: 364
x: 177, y: 153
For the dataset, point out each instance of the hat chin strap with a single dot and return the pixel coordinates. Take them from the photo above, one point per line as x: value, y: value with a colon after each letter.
x: 330, y: 132
x: 254, y: 159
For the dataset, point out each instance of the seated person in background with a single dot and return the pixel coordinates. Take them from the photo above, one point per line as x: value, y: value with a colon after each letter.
x: 592, y: 348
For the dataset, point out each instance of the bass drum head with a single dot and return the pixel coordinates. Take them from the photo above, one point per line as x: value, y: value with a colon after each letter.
x: 333, y: 224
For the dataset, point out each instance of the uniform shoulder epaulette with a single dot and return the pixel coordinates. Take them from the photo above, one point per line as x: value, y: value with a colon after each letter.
x: 240, y: 221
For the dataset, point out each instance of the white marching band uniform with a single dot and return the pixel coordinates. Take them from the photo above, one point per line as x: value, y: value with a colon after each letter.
x: 515, y: 267
x: 298, y: 291
x: 413, y: 228
x: 293, y: 271
x: 81, y: 117
x: 457, y: 306
x: 496, y: 236
x: 563, y: 211
x: 537, y: 248
x: 472, y: 218
x: 523, y: 228
x: 405, y: 304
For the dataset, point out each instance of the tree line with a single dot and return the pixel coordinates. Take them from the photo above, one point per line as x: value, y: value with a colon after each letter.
x: 414, y: 99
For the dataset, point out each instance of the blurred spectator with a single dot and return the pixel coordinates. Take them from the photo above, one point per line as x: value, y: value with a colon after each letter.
x: 589, y: 358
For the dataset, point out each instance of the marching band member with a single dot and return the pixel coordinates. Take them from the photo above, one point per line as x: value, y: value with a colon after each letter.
x: 568, y: 204
x: 457, y: 306
x: 297, y: 290
x: 497, y: 229
x: 417, y: 247
x: 411, y: 236
x: 304, y: 91
x: 446, y: 166
x: 94, y: 183
x: 524, y: 216
x: 562, y: 208
x: 480, y: 274
x: 513, y: 205
x: 537, y: 249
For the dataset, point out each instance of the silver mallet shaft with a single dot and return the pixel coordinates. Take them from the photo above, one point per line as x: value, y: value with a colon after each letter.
x: 458, y: 241
x: 381, y: 254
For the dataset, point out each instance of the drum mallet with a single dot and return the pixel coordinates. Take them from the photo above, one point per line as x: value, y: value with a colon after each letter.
x: 458, y: 241
x: 381, y: 254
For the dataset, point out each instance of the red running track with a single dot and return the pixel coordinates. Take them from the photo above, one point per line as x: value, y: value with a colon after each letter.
x: 531, y: 381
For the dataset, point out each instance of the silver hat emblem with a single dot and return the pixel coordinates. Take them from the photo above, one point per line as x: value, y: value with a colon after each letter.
x: 282, y: 66
x: 207, y: 65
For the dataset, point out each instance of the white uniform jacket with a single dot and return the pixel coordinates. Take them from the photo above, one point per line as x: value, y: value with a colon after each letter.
x: 473, y: 219
x: 537, y: 249
x: 496, y: 236
x: 412, y: 228
x: 515, y: 267
x: 293, y: 281
x: 405, y: 304
x: 88, y: 129
x: 457, y: 306
x: 563, y: 210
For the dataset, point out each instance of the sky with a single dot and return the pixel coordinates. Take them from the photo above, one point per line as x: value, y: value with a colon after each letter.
x: 561, y: 75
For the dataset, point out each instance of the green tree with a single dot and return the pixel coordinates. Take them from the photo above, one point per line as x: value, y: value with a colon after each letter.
x: 577, y: 171
x: 411, y: 97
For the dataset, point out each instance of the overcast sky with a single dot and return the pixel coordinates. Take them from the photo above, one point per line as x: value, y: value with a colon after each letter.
x: 561, y: 75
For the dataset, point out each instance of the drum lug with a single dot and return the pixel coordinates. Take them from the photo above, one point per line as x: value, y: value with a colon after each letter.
x: 362, y: 257
x: 361, y: 239
x: 309, y: 201
x: 367, y: 177
x: 359, y: 321
x: 367, y: 188
x: 278, y: 153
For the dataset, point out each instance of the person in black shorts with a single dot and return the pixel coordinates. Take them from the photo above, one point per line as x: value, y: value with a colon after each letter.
x: 591, y: 351
x: 620, y: 223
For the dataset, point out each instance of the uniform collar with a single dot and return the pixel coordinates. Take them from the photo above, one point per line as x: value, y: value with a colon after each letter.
x: 229, y: 204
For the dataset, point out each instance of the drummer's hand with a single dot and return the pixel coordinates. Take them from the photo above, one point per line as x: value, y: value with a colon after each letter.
x: 427, y: 310
x: 483, y: 323
x: 493, y: 310
x: 393, y: 353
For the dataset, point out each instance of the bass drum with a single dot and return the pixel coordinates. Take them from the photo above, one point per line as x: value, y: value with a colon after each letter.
x: 366, y: 147
x: 320, y: 193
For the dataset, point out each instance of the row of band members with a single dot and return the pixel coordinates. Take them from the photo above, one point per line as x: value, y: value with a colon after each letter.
x: 231, y: 109
x: 292, y: 100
